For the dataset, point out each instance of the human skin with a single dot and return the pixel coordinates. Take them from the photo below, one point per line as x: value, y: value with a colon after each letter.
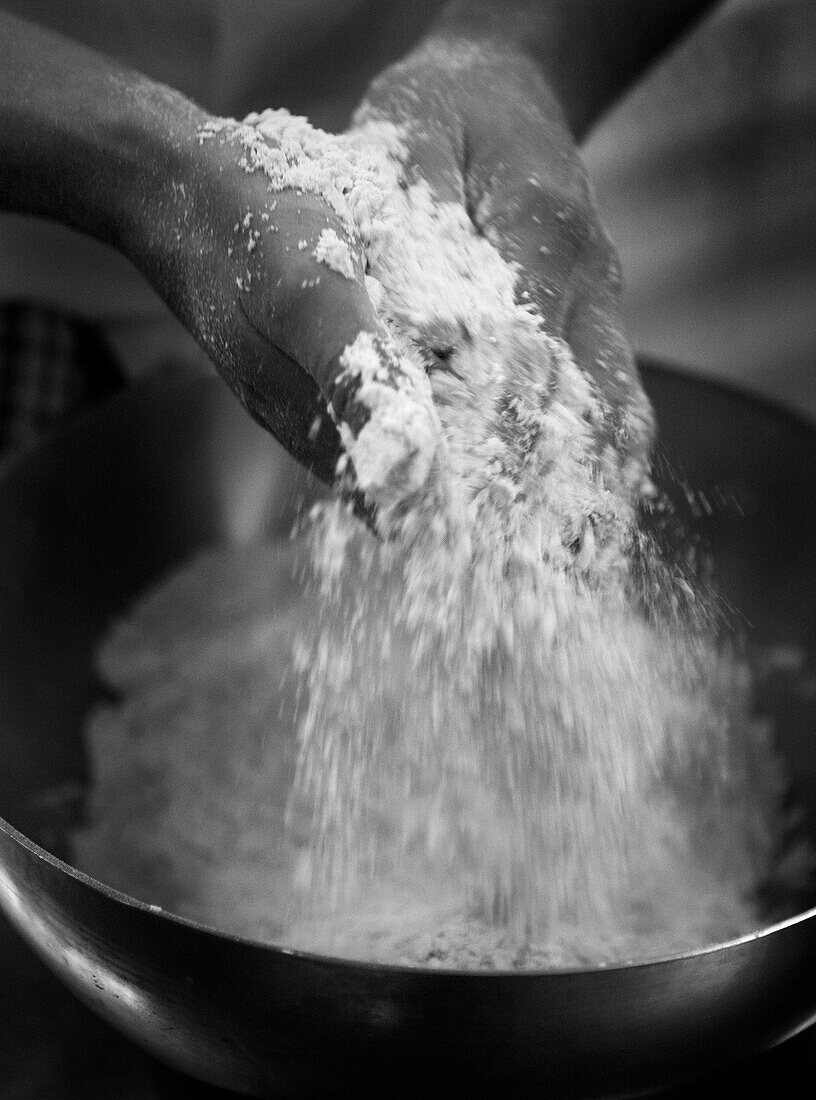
x: 491, y: 103
x: 118, y: 156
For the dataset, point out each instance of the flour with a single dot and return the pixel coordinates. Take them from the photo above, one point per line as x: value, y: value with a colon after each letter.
x: 503, y: 758
x: 194, y: 763
x: 334, y: 253
x: 391, y: 452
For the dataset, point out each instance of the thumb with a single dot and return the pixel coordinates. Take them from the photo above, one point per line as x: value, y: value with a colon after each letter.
x: 526, y: 188
x: 320, y: 316
x: 312, y: 361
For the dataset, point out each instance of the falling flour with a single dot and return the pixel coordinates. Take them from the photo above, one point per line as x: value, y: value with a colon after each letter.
x: 501, y: 734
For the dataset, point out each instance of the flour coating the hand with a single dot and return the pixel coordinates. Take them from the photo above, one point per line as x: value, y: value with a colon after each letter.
x: 335, y: 253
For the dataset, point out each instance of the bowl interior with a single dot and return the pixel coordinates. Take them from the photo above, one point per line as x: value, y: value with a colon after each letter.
x: 136, y: 488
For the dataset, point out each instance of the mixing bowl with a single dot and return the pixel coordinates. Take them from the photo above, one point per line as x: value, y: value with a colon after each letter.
x: 134, y: 489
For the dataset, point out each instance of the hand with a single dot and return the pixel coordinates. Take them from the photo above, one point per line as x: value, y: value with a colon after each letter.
x: 483, y: 129
x: 234, y: 257
x: 122, y: 158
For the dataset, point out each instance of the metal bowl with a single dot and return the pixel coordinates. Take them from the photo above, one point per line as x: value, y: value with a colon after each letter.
x: 137, y: 487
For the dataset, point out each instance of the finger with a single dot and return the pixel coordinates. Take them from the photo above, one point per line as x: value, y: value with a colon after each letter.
x: 283, y: 399
x: 539, y: 227
x: 596, y: 335
x: 526, y: 188
x: 530, y: 195
x: 318, y: 313
x: 294, y: 411
x: 535, y: 205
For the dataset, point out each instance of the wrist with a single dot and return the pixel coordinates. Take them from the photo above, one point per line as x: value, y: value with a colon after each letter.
x: 83, y: 141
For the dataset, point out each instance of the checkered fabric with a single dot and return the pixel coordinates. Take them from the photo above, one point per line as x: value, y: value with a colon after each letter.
x: 52, y: 365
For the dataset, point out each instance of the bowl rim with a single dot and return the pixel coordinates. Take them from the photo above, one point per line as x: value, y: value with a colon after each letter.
x: 157, y: 911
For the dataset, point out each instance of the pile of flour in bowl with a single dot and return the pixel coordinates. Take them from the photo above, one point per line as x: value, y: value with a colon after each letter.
x: 502, y: 732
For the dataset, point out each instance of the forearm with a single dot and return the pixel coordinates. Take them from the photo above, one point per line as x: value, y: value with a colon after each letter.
x: 82, y: 140
x: 590, y: 50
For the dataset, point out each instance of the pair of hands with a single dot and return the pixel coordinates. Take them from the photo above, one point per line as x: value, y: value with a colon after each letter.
x: 483, y: 130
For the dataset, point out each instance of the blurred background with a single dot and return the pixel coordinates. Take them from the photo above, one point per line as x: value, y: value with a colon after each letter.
x: 705, y: 176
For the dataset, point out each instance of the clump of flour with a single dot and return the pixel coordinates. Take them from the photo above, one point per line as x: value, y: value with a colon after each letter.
x: 502, y: 759
x: 335, y: 253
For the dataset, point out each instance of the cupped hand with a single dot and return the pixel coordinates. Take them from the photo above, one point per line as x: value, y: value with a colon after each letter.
x: 483, y: 129
x: 235, y: 256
